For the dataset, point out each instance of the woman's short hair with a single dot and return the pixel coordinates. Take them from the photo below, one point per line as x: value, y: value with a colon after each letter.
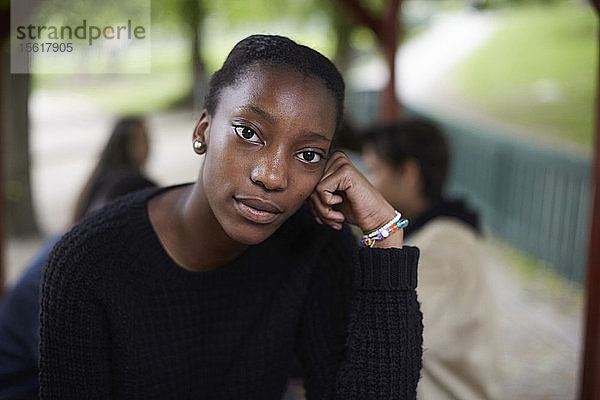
x: 418, y: 139
x: 277, y: 51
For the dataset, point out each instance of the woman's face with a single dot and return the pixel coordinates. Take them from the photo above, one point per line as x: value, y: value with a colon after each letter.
x: 267, y: 144
x: 392, y: 182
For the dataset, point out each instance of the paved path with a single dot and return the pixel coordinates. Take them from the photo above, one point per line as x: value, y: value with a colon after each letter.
x: 539, y: 331
x: 423, y: 61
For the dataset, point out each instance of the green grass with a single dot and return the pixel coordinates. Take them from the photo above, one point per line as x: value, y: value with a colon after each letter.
x: 538, y: 70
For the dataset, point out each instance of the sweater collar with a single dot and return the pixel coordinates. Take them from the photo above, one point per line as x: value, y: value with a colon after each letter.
x: 445, y: 208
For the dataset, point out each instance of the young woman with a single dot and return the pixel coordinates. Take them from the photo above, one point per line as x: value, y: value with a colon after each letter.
x: 208, y: 290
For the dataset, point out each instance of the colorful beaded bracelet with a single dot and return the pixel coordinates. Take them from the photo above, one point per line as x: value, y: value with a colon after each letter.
x: 393, y: 226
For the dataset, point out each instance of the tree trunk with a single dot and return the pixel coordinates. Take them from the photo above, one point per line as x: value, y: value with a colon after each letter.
x: 388, y: 39
x: 199, y: 73
x: 193, y: 14
x: 20, y: 217
x: 2, y: 134
x: 343, y: 51
x: 386, y: 29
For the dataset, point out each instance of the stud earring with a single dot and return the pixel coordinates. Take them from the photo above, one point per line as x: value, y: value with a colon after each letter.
x: 199, y: 147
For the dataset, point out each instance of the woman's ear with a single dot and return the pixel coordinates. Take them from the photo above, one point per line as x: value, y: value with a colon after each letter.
x: 200, y: 136
x: 411, y: 173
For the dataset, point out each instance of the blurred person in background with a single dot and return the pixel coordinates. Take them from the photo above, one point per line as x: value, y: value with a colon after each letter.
x: 119, y: 171
x: 408, y: 162
x: 120, y: 168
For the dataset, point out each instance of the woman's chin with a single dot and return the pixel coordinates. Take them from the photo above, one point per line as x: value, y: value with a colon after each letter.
x: 252, y: 235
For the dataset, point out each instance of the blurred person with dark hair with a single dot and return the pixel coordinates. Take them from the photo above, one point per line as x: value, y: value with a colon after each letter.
x: 408, y: 163
x: 119, y: 171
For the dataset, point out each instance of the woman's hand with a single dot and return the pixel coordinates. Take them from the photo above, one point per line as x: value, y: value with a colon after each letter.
x: 344, y: 194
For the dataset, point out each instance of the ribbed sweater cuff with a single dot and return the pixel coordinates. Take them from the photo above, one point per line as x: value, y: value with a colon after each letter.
x: 387, y: 269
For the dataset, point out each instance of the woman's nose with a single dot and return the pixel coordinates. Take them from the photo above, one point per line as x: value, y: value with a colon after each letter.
x: 271, y: 171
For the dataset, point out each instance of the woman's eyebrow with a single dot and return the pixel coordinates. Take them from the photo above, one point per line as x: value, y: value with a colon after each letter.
x: 271, y: 119
x: 260, y: 112
x: 318, y: 136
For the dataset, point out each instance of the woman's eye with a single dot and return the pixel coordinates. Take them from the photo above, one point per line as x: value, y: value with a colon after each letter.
x: 310, y: 156
x: 246, y: 133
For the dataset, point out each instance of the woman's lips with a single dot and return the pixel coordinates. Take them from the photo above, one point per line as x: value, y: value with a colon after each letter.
x: 257, y: 210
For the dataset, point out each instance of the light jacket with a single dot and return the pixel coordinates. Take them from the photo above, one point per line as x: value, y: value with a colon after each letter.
x: 459, y: 347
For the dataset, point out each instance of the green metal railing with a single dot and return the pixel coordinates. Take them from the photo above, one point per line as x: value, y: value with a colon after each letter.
x: 531, y: 196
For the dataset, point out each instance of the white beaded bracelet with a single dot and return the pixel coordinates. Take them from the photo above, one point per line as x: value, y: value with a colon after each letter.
x: 393, y: 226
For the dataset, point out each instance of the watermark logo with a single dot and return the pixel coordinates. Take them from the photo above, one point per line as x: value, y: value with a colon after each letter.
x: 80, y: 36
x: 90, y: 33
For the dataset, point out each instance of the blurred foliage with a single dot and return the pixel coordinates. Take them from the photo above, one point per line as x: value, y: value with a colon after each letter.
x: 538, y: 70
x: 219, y: 24
x: 241, y: 12
x: 169, y: 14
x: 307, y: 21
x: 169, y: 81
x: 71, y: 12
x: 177, y: 15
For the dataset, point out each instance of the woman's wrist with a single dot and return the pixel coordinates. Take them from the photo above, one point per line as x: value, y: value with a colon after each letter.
x: 392, y: 242
x: 387, y: 235
x: 379, y: 220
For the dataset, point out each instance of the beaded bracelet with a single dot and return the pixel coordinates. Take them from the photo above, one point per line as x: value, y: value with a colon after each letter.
x: 393, y: 226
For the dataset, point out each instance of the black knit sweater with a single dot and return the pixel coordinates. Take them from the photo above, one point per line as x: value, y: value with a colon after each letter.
x: 121, y: 320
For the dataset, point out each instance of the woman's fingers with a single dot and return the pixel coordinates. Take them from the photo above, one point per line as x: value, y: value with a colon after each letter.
x: 323, y: 213
x: 313, y: 211
x: 334, y: 180
x: 334, y: 163
x: 343, y: 194
x: 328, y: 192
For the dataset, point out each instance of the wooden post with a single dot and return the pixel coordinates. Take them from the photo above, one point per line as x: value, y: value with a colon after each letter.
x: 4, y: 39
x: 386, y: 29
x: 590, y: 379
x: 388, y: 36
